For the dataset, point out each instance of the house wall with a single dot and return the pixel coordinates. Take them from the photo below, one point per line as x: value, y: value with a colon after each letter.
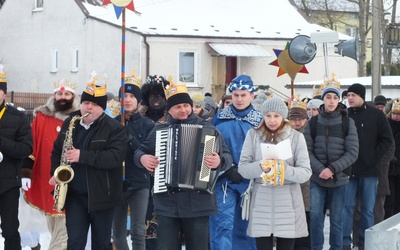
x: 211, y: 69
x: 27, y: 40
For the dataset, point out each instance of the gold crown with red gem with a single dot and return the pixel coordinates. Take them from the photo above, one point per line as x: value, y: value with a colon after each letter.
x: 64, y: 84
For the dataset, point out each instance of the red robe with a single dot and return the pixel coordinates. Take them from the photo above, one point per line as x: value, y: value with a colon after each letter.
x: 39, y: 195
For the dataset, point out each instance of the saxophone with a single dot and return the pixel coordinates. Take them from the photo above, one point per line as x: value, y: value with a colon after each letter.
x: 64, y: 173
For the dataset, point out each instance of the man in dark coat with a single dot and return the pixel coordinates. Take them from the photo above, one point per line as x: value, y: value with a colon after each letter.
x: 375, y: 144
x: 99, y: 145
x: 15, y: 145
x: 183, y: 210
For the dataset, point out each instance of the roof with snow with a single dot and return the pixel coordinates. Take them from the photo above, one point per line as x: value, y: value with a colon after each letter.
x: 244, y: 19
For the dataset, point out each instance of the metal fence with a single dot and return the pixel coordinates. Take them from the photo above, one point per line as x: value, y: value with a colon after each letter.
x: 27, y: 101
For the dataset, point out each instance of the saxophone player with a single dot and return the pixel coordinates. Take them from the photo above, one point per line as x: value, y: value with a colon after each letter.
x: 99, y: 145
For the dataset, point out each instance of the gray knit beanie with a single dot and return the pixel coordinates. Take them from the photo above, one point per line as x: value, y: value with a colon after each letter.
x: 274, y: 104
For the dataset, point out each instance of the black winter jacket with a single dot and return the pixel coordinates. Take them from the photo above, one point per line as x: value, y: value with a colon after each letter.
x: 375, y: 138
x: 98, y: 174
x: 331, y: 147
x: 394, y: 168
x: 138, y: 128
x: 15, y: 145
x: 183, y: 203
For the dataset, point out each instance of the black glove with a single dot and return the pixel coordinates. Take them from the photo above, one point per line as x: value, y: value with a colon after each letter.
x: 234, y: 175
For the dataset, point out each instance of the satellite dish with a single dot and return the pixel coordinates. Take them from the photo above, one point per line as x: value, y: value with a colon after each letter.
x: 301, y: 50
x: 349, y: 48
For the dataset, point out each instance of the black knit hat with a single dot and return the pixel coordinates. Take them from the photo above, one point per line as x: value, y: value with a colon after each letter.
x: 95, y: 93
x: 99, y: 100
x: 380, y: 100
x: 132, y: 85
x: 357, y: 89
x: 176, y: 94
x: 134, y: 90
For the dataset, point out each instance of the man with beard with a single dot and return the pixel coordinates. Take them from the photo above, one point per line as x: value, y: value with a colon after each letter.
x: 153, y: 101
x: 45, y: 128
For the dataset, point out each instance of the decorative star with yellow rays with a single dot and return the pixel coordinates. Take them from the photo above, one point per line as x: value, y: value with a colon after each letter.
x: 286, y: 64
x: 119, y: 5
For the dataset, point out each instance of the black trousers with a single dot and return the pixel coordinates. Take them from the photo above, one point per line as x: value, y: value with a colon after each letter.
x: 267, y: 243
x: 195, y: 231
x: 9, y: 219
x: 78, y: 220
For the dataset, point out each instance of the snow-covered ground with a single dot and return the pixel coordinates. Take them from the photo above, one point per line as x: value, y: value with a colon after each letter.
x: 32, y: 218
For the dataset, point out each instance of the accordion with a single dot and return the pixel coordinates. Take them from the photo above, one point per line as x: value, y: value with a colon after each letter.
x: 181, y: 149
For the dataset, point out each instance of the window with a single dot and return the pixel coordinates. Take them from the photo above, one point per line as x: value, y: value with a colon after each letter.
x: 187, y: 67
x: 38, y: 5
x: 54, y: 60
x: 74, y: 59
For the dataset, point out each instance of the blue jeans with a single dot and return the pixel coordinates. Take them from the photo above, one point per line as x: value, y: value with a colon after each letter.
x: 227, y: 229
x: 366, y: 187
x: 137, y: 201
x: 322, y: 198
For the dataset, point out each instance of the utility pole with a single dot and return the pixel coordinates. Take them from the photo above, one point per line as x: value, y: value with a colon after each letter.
x: 377, y: 9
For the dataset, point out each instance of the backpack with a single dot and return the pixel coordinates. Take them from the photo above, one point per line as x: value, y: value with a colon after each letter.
x: 345, y: 130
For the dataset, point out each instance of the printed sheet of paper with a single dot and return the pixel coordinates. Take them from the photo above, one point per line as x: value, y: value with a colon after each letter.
x: 282, y: 150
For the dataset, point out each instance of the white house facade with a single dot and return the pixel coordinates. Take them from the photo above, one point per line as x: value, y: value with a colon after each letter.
x: 204, y: 43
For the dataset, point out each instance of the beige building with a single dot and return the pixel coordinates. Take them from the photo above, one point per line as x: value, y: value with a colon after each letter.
x: 204, y: 43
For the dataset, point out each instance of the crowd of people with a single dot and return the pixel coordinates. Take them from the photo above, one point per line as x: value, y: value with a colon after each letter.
x: 334, y: 155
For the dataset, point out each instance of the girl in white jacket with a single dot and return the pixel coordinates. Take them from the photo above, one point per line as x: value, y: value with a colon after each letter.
x: 276, y: 208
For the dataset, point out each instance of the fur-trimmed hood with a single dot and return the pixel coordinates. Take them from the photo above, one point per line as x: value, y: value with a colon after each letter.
x: 49, y: 109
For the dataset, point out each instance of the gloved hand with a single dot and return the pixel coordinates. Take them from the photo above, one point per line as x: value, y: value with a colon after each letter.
x: 26, y: 183
x: 234, y: 175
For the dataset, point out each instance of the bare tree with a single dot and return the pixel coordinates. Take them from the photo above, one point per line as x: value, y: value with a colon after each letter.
x: 334, y: 13
x: 1, y: 3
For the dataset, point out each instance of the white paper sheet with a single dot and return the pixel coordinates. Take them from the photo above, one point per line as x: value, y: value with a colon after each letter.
x: 282, y: 150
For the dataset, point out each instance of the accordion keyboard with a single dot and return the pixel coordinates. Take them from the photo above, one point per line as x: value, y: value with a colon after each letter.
x: 161, y: 153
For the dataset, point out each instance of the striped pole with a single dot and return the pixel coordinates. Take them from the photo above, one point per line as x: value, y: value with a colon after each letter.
x: 123, y: 69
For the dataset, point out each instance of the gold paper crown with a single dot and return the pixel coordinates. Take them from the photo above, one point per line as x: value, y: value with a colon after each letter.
x: 332, y: 83
x: 64, y: 83
x: 298, y: 103
x: 3, y: 75
x: 317, y: 90
x: 396, y: 106
x: 133, y: 79
x: 114, y: 107
x: 174, y: 89
x: 95, y: 90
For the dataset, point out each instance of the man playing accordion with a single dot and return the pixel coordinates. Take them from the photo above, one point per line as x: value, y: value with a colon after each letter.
x: 182, y: 209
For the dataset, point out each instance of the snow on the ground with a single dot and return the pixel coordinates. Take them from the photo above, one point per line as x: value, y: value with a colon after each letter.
x: 31, y: 218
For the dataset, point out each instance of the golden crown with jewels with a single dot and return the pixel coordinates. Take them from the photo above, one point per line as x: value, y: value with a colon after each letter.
x: 64, y: 84
x: 396, y: 106
x: 298, y: 103
x: 133, y: 79
x: 332, y: 83
x: 95, y: 90
x: 317, y: 90
x: 174, y: 89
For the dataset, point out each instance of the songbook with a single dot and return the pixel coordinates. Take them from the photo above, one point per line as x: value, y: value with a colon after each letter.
x: 281, y: 151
